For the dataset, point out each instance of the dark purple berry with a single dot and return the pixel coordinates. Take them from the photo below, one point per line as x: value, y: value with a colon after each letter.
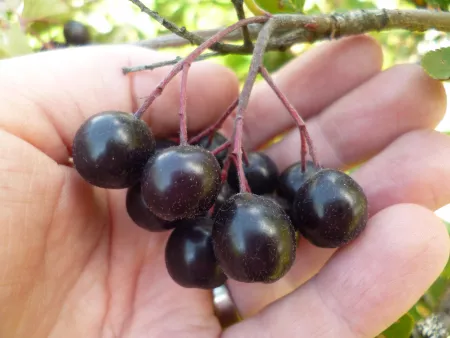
x: 141, y: 214
x: 253, y: 238
x: 282, y: 202
x: 76, y: 33
x: 111, y: 148
x: 190, y: 258
x: 225, y: 193
x: 181, y: 182
x: 292, y: 178
x: 330, y: 209
x: 261, y: 173
x: 217, y: 140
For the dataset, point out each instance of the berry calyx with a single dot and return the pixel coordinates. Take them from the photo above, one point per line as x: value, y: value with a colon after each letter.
x: 76, y: 33
x: 253, y: 239
x: 190, y: 258
x: 111, y: 148
x: 141, y: 214
x: 181, y: 182
x: 330, y: 209
x: 292, y: 178
x: 261, y: 173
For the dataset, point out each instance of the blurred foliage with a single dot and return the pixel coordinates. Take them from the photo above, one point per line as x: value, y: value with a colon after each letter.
x: 28, y: 26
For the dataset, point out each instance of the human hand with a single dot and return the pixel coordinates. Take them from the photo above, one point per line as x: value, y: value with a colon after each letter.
x: 74, y: 265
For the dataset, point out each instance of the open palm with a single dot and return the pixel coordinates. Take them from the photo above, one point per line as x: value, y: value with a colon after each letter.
x: 72, y: 264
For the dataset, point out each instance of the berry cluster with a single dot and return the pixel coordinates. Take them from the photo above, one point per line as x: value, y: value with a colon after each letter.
x: 75, y: 34
x: 219, y: 230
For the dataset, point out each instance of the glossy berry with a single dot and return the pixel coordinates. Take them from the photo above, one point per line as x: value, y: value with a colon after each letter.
x: 225, y: 193
x: 181, y: 182
x: 141, y: 214
x: 190, y: 258
x: 253, y: 238
x: 76, y: 33
x: 162, y: 144
x: 110, y: 149
x: 217, y: 140
x: 292, y: 178
x: 282, y: 202
x: 261, y: 173
x: 330, y: 209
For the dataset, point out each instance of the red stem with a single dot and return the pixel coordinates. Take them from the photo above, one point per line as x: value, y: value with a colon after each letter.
x: 183, y: 101
x: 296, y: 116
x: 211, y: 129
x: 244, y: 156
x: 192, y: 56
x: 226, y: 167
x: 221, y: 147
x: 255, y: 65
x: 303, y: 150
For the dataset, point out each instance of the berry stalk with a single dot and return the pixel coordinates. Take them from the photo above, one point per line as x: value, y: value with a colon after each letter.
x: 183, y: 101
x: 304, y: 135
x: 256, y: 62
x: 221, y: 147
x: 216, y: 126
x: 191, y: 58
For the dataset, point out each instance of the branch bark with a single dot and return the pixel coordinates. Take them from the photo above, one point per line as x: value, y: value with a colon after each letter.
x: 297, y: 28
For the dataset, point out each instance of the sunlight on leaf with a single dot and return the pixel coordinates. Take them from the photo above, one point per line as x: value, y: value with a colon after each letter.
x: 38, y: 9
x: 13, y: 41
x: 437, y: 63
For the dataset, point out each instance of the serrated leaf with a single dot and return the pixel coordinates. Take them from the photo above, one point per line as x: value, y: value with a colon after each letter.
x: 437, y: 63
x: 13, y: 41
x: 402, y: 328
x: 38, y: 9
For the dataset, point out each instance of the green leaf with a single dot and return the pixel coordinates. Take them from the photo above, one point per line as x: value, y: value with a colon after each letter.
x: 39, y: 9
x: 437, y: 63
x: 274, y: 6
x: 402, y: 328
x: 13, y: 41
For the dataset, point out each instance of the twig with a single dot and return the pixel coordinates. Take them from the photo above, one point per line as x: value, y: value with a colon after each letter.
x: 180, y: 31
x: 190, y: 58
x: 184, y: 33
x: 173, y: 40
x: 256, y: 62
x: 298, y: 28
x: 204, y: 56
x: 304, y: 135
x: 239, y: 8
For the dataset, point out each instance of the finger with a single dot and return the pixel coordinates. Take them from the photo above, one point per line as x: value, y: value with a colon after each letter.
x: 311, y: 82
x: 413, y: 169
x: 46, y: 96
x: 368, y: 118
x: 365, y: 286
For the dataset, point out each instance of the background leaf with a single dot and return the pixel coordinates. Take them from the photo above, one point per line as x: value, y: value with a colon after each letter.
x: 437, y: 63
x: 13, y: 41
x: 38, y: 9
x: 402, y: 328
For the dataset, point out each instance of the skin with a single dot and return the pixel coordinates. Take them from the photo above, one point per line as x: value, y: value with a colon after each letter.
x: 72, y: 263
